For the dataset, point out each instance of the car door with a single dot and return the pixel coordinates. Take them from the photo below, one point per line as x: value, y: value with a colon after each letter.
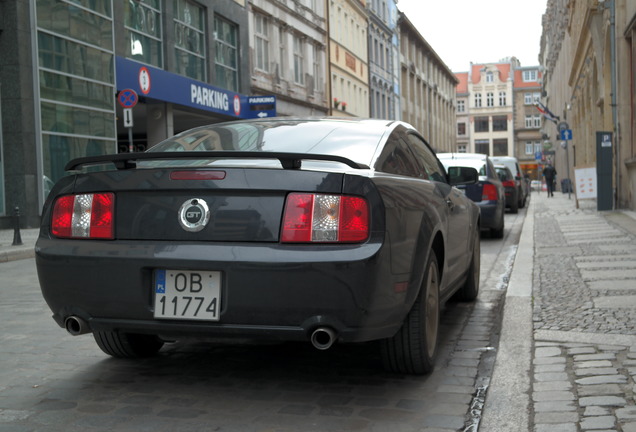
x: 457, y: 215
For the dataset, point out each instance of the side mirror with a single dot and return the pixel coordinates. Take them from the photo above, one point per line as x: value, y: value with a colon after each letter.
x: 462, y: 175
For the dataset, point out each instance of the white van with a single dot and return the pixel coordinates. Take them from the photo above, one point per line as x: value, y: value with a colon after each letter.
x: 522, y: 185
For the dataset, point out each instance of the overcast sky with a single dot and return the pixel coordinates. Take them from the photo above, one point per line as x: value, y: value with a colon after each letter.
x: 481, y: 31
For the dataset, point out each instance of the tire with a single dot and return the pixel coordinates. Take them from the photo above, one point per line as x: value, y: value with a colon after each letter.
x: 514, y: 207
x: 127, y: 345
x: 498, y: 232
x: 413, y: 348
x: 470, y: 290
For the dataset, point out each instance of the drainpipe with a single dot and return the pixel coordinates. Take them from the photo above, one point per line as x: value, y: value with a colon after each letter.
x: 614, y: 72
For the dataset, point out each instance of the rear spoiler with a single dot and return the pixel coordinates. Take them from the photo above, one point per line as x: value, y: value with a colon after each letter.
x: 129, y: 160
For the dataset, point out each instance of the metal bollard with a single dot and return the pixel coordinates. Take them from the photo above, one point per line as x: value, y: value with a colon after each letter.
x: 17, y: 239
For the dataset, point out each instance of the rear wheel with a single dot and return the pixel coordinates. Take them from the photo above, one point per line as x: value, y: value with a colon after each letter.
x: 470, y: 289
x: 127, y: 345
x: 413, y: 348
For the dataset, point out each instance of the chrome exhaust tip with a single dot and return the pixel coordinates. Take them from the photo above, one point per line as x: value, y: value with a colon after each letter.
x: 76, y: 326
x: 322, y: 338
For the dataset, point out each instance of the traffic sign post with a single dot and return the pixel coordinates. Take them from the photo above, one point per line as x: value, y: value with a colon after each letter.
x: 128, y: 98
x: 566, y: 135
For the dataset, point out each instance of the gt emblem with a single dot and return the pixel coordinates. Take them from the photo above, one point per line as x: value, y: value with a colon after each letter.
x: 194, y: 215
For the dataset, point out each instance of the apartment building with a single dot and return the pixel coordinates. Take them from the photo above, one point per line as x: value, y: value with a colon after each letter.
x: 588, y: 50
x: 497, y: 113
x: 384, y: 59
x: 348, y: 58
x: 288, y: 53
x: 529, y: 122
x: 427, y: 88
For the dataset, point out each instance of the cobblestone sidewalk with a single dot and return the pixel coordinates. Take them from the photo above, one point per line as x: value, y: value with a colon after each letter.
x: 584, y: 315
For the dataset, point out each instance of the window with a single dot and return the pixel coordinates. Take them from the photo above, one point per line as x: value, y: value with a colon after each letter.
x: 527, y: 98
x: 299, y: 72
x: 189, y: 39
x: 502, y: 98
x: 434, y: 171
x: 478, y: 100
x: 317, y: 68
x: 537, y: 147
x: 536, y: 121
x: 528, y: 121
x: 530, y: 75
x: 500, y: 147
x: 461, y: 148
x: 490, y: 77
x: 482, y: 146
x: 76, y: 79
x: 529, y: 148
x: 226, y: 58
x: 536, y: 97
x: 461, y: 128
x: 261, y: 42
x: 499, y: 123
x: 481, y: 124
x: 142, y: 22
x: 461, y: 106
x: 490, y: 99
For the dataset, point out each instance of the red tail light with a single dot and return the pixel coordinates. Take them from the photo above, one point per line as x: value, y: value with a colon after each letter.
x: 489, y: 193
x: 84, y: 216
x: 325, y: 218
x: 509, y: 183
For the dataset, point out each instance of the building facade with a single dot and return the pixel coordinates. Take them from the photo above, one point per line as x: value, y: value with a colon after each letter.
x: 65, y: 64
x: 288, y: 54
x: 384, y: 86
x: 588, y: 50
x: 496, y: 111
x: 85, y: 78
x: 528, y: 122
x: 348, y: 58
x: 427, y: 88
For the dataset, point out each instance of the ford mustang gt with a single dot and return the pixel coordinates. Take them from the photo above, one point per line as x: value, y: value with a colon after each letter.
x: 320, y: 230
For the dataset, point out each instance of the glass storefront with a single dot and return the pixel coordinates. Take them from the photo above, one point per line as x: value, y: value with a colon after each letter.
x: 76, y: 71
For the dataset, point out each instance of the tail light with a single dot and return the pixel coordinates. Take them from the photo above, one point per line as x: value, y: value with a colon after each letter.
x: 489, y: 193
x: 84, y: 216
x: 325, y: 218
x: 509, y: 183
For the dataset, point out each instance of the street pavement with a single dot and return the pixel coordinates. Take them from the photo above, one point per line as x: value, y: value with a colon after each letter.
x: 566, y: 359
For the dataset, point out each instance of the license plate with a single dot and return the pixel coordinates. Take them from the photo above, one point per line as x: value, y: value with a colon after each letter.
x: 187, y: 295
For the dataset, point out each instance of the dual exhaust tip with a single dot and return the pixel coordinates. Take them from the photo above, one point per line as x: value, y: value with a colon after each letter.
x: 322, y: 338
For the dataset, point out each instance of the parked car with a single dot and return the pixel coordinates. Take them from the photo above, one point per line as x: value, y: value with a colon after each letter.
x: 317, y: 230
x: 510, y: 187
x: 523, y: 186
x: 488, y: 193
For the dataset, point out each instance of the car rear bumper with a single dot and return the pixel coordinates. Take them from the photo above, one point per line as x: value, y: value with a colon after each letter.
x: 490, y: 214
x: 267, y: 291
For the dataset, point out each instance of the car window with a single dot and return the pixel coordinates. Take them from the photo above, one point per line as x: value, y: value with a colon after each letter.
x: 396, y: 159
x: 434, y: 171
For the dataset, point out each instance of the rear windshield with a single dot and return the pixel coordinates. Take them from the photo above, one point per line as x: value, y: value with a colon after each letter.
x: 355, y: 141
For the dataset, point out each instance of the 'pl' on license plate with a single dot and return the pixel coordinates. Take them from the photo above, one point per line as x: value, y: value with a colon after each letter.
x: 187, y: 295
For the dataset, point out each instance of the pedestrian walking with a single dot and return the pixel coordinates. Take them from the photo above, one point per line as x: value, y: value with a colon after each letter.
x: 550, y: 178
